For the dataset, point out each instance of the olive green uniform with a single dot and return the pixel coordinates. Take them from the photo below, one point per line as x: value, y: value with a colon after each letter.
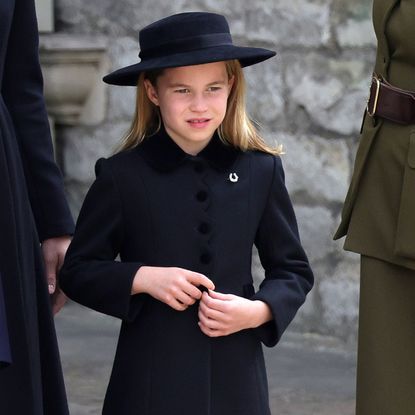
x: 378, y: 220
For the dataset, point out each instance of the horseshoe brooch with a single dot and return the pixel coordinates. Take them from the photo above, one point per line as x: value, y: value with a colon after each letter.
x: 233, y: 177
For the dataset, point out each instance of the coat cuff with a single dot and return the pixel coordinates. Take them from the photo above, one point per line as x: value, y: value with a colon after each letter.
x: 66, y: 228
x: 268, y: 332
x: 136, y: 302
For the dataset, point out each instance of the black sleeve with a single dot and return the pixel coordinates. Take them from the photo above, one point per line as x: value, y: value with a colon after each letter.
x: 91, y: 275
x: 22, y: 90
x: 288, y: 276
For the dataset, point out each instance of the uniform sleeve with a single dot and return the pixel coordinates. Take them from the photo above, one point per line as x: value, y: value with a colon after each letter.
x: 288, y: 276
x: 22, y: 90
x: 91, y: 275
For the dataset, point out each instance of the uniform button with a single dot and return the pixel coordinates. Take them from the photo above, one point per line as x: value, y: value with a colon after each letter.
x: 205, y: 258
x: 201, y: 196
x: 204, y: 228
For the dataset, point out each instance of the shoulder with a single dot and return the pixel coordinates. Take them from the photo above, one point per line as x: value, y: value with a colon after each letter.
x: 117, y: 163
x: 264, y: 164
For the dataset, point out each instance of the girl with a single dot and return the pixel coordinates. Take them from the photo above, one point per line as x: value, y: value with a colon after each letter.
x: 193, y: 188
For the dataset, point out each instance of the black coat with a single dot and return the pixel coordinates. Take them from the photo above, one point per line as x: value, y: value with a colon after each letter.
x: 158, y: 206
x: 32, y: 208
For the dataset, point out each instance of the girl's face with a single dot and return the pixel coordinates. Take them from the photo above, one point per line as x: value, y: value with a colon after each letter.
x: 192, y: 102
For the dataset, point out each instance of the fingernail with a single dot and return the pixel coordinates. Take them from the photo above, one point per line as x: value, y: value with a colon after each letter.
x: 51, y: 288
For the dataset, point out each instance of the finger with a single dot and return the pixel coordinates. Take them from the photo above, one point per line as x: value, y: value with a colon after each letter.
x: 214, y: 303
x: 220, y: 296
x: 192, y: 291
x: 50, y: 270
x: 211, y: 324
x: 210, y: 332
x: 211, y: 313
x: 184, y: 298
x: 51, y: 285
x: 200, y: 279
x: 176, y: 305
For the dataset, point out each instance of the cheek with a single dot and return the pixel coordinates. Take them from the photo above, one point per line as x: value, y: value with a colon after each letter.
x: 221, y: 104
x: 174, y: 114
x: 169, y: 107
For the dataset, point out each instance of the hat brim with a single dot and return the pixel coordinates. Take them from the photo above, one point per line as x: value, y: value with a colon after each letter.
x: 128, y: 76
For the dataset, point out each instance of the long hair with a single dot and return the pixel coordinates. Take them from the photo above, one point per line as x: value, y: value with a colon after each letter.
x: 236, y: 129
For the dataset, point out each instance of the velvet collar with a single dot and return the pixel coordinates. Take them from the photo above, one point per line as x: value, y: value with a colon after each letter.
x: 162, y: 153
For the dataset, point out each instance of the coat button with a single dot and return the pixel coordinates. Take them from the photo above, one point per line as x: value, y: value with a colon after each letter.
x: 201, y: 196
x: 204, y: 228
x: 205, y: 258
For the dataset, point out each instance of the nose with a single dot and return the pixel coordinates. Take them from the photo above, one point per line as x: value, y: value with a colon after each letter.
x: 198, y: 103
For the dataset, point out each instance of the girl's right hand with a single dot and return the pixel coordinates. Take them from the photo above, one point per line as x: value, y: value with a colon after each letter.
x: 176, y: 287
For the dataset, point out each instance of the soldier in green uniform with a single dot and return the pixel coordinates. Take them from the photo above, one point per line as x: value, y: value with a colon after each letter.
x: 378, y: 219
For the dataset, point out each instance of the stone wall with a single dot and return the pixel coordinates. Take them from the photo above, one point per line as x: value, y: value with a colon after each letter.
x: 310, y: 98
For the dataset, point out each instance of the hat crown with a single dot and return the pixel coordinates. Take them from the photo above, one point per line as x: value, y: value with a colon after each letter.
x: 185, y: 31
x: 184, y: 39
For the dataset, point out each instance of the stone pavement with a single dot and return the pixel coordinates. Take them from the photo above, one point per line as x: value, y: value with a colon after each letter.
x: 308, y: 375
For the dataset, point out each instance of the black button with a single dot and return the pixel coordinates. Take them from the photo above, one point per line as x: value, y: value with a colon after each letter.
x: 205, y: 258
x: 201, y: 196
x: 204, y: 228
x: 199, y: 167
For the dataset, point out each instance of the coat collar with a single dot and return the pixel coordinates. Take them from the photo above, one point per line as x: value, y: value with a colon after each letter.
x: 162, y: 153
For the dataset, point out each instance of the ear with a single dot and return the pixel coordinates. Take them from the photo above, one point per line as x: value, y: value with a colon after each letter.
x: 151, y: 92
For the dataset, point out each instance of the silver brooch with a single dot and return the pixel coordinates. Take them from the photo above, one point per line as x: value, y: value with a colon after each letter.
x: 233, y: 177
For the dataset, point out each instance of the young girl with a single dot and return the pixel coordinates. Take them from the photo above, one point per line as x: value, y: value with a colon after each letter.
x: 193, y: 188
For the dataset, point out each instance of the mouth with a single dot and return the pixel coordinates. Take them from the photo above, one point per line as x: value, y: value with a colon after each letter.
x: 198, y: 122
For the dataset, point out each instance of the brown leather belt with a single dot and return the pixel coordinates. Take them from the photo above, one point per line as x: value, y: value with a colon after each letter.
x: 389, y: 102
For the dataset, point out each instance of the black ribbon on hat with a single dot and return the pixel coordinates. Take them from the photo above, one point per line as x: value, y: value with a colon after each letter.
x: 187, y: 44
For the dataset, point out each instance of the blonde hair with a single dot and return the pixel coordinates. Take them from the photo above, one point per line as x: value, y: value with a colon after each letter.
x: 236, y: 129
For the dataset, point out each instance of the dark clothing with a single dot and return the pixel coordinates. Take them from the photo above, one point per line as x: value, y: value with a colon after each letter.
x: 158, y: 206
x: 5, y: 355
x: 32, y: 209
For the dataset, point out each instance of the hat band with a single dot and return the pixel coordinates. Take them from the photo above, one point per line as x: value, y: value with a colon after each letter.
x: 186, y: 45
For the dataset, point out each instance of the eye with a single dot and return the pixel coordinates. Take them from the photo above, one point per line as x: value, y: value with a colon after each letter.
x: 214, y: 88
x: 182, y: 91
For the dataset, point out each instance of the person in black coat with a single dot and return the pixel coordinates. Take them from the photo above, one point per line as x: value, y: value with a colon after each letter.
x: 192, y: 190
x: 34, y: 226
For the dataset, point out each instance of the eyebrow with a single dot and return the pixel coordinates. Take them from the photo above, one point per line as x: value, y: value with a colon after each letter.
x: 180, y: 85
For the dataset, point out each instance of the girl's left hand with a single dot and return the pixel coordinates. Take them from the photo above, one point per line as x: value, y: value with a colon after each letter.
x: 224, y: 314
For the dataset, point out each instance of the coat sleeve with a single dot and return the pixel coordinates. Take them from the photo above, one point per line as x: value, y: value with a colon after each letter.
x: 288, y: 276
x: 22, y: 90
x: 91, y: 275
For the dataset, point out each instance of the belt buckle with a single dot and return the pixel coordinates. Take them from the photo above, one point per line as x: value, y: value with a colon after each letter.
x: 375, y: 103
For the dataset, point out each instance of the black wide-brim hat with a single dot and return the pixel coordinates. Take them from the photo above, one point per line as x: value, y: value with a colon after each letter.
x: 186, y: 39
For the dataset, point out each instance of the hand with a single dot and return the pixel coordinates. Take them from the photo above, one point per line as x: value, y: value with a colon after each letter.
x: 224, y: 314
x: 54, y: 250
x: 176, y: 287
